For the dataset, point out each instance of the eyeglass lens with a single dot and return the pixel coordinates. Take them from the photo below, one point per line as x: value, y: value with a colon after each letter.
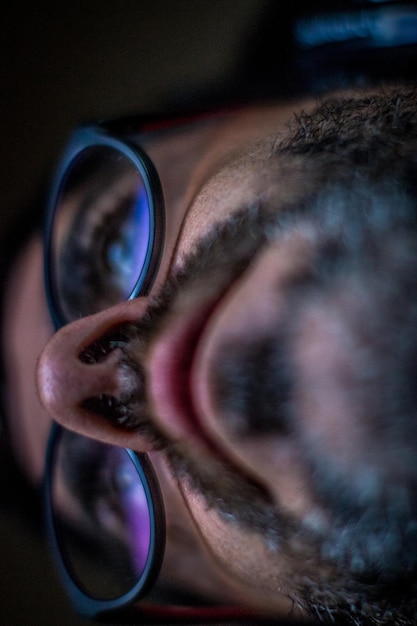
x: 101, y: 516
x: 101, y: 232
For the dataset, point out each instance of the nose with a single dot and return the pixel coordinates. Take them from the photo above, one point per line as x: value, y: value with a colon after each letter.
x: 72, y: 372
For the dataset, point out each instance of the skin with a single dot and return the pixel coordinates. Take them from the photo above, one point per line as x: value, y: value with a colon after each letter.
x: 267, y: 544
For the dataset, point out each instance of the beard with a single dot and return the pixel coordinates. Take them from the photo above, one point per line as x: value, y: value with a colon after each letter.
x: 362, y: 571
x: 364, y: 562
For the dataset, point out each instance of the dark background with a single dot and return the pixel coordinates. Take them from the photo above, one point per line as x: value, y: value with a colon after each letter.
x: 62, y: 62
x: 65, y: 62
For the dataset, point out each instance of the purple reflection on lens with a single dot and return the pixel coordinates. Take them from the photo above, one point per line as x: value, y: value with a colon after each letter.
x: 136, y: 513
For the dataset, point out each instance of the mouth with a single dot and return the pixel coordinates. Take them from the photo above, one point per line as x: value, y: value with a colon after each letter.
x: 181, y: 396
x: 198, y: 292
x: 170, y: 368
x: 199, y: 459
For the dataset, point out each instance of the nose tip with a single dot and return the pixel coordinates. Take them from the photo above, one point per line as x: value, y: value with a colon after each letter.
x: 65, y: 381
x: 68, y: 376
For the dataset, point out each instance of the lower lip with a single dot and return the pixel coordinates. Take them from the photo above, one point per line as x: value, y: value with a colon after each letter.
x: 169, y: 375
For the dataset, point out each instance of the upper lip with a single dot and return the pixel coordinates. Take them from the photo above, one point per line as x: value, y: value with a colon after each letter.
x: 173, y: 404
x: 169, y: 369
x: 199, y: 290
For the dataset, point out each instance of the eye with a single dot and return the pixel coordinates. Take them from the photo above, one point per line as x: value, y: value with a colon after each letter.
x: 102, y: 234
x: 101, y: 516
x: 123, y: 244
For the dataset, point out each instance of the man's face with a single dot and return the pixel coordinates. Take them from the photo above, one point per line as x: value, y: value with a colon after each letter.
x: 260, y: 362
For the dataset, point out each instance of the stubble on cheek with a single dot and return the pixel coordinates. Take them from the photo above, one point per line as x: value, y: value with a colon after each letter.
x: 244, y: 556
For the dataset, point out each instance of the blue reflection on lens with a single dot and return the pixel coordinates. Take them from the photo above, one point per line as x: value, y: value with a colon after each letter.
x: 127, y: 252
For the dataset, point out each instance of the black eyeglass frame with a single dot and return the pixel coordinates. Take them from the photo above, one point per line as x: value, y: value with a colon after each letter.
x: 83, y: 139
x: 86, y: 604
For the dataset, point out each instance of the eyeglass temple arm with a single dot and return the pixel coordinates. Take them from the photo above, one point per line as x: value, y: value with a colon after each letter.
x: 149, y: 614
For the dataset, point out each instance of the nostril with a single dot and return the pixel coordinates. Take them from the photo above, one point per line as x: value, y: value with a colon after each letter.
x: 99, y: 349
x: 118, y: 412
x: 120, y: 400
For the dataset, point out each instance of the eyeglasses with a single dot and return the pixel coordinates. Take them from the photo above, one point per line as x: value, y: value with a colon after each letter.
x: 105, y: 226
x: 104, y: 510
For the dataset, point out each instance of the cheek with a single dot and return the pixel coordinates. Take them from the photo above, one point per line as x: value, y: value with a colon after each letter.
x: 26, y: 329
x: 218, y: 199
x: 259, y: 574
